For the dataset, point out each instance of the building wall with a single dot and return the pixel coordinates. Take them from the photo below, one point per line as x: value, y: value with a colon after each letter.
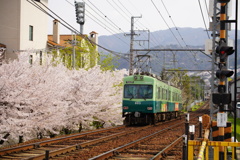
x: 10, y: 25
x: 30, y: 15
x: 15, y: 18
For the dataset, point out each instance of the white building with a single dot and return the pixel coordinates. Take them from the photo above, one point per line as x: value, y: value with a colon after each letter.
x: 23, y: 27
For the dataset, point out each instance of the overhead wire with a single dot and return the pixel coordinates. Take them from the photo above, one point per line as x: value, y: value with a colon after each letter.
x: 173, y: 23
x: 121, y: 7
x: 70, y: 27
x: 166, y: 23
x: 123, y: 13
x: 177, y: 29
x: 209, y: 19
x: 125, y: 7
x: 114, y: 26
x: 116, y: 9
x: 169, y: 26
x: 112, y: 23
x: 203, y: 18
x: 153, y: 36
x: 106, y: 16
x: 101, y: 23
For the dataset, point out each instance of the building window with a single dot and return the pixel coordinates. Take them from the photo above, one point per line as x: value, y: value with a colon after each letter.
x: 31, y: 59
x: 30, y: 33
x: 40, y: 57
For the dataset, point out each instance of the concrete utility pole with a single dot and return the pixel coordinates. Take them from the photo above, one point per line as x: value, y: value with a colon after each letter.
x: 132, y: 34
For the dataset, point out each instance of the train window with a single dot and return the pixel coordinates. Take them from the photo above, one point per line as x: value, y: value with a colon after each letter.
x: 161, y: 96
x: 162, y: 93
x: 165, y: 94
x: 159, y: 92
x: 138, y: 91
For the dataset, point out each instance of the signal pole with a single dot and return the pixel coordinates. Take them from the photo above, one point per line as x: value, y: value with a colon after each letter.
x: 132, y: 34
x: 222, y: 98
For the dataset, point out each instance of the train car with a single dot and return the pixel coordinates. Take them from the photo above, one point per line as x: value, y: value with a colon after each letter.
x: 147, y: 100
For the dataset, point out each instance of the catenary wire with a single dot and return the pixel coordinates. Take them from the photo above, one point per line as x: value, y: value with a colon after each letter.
x: 154, y: 38
x: 203, y: 18
x: 166, y: 23
x: 104, y: 15
x: 74, y: 30
x: 176, y: 27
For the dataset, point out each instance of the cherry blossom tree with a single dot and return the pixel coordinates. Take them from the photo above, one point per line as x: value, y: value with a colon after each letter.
x: 39, y: 100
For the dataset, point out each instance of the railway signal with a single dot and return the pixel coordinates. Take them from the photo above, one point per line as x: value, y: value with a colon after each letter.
x: 224, y: 51
x: 223, y: 74
x: 80, y: 12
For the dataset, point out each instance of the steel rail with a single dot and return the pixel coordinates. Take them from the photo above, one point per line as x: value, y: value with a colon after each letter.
x: 115, y: 151
x: 39, y: 144
x: 121, y: 148
x: 84, y: 144
x: 166, y: 149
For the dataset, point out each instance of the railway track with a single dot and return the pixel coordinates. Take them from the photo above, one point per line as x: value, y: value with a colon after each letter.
x: 111, y: 143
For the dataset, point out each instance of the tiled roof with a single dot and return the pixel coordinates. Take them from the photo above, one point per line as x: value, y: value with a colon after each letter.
x: 94, y: 32
x: 64, y: 39
x: 2, y: 45
x: 53, y: 43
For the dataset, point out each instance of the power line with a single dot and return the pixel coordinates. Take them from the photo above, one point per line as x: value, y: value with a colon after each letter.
x: 133, y: 6
x: 105, y: 15
x: 125, y: 8
x: 203, y: 18
x: 209, y: 19
x: 118, y: 11
x: 112, y: 23
x: 166, y: 23
x: 176, y: 27
x: 173, y: 22
x: 72, y: 28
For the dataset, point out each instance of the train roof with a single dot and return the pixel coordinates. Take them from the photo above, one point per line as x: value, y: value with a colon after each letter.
x: 151, y: 76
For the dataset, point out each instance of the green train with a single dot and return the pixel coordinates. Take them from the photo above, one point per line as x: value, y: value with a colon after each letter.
x: 147, y: 100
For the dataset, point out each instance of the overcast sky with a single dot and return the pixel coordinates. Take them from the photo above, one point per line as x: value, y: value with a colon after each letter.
x: 108, y: 17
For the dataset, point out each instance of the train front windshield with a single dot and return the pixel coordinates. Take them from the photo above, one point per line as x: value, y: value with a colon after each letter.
x: 138, y: 91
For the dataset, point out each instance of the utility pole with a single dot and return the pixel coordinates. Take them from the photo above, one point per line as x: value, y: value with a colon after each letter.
x: 74, y: 43
x: 132, y: 34
x: 144, y: 40
x: 174, y: 60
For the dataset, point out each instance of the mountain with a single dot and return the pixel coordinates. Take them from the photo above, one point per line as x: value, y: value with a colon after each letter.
x: 171, y: 38
x: 121, y: 42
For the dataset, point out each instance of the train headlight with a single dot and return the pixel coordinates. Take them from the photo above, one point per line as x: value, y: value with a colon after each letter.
x: 149, y: 108
x: 125, y: 107
x: 137, y: 114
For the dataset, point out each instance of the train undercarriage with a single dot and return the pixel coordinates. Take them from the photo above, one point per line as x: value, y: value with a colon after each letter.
x: 135, y: 118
